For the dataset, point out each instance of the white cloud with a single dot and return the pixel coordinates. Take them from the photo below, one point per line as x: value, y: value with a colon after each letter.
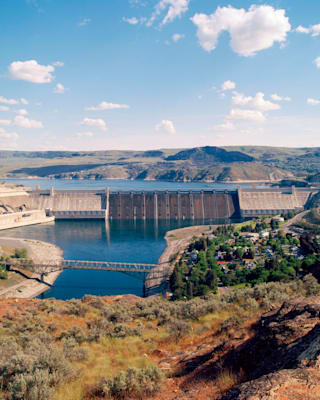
x: 314, y: 30
x: 313, y: 102
x: 257, y: 103
x: 228, y: 85
x: 27, y: 123
x: 276, y: 97
x: 251, y: 31
x: 317, y: 62
x: 248, y: 115
x: 59, y: 89
x: 176, y: 37
x: 4, y: 108
x: 22, y: 111
x: 8, y: 136
x: 31, y: 71
x: 5, y: 122
x: 226, y: 126
x: 131, y: 21
x: 104, y: 105
x: 98, y: 123
x: 302, y: 29
x: 84, y: 134
x: 24, y: 101
x: 175, y: 10
x: 166, y: 126
x: 84, y: 22
x: 58, y: 64
x: 8, y: 101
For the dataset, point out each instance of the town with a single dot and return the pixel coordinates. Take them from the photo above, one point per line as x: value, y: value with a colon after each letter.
x: 246, y: 254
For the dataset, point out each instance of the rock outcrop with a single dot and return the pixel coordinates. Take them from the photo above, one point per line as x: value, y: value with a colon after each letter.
x: 282, y: 360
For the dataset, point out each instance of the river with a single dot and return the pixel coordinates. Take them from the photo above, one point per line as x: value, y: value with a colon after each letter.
x: 97, y: 240
x: 117, y: 185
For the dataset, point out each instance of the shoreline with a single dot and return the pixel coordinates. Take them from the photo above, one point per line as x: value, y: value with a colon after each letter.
x: 39, y: 252
x: 177, y: 241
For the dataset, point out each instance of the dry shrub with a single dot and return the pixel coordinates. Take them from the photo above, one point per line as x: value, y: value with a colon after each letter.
x: 227, y: 379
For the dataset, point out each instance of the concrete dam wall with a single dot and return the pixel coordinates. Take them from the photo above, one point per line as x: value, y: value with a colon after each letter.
x: 249, y: 202
x: 137, y: 205
x: 173, y: 205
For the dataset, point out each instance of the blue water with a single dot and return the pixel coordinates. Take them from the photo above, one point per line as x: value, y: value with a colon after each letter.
x: 116, y: 185
x: 125, y: 241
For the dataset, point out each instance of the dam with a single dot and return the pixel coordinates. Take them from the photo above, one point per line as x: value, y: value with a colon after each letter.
x: 162, y: 205
x: 136, y: 205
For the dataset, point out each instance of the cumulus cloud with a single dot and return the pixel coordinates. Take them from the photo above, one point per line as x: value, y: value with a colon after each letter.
x: 58, y: 64
x: 175, y: 9
x: 22, y: 111
x: 247, y: 115
x: 228, y: 85
x: 98, y: 123
x: 7, y: 135
x: 24, y: 101
x: 313, y: 30
x: 166, y: 126
x: 27, y: 123
x: 84, y: 134
x: 84, y: 22
x: 31, y: 71
x: 226, y: 126
x: 7, y: 138
x: 8, y: 101
x: 131, y: 21
x: 258, y: 102
x: 317, y: 62
x: 313, y: 102
x: 251, y: 31
x: 104, y: 105
x: 176, y: 37
x: 276, y: 97
x: 5, y: 122
x: 4, y: 108
x: 59, y: 89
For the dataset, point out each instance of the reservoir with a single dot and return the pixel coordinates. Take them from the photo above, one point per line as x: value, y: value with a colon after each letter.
x: 129, y: 241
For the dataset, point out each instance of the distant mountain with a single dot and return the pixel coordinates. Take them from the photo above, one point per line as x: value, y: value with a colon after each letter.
x: 210, y: 154
x: 209, y: 164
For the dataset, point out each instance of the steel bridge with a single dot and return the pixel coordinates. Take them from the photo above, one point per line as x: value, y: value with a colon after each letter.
x: 147, y: 271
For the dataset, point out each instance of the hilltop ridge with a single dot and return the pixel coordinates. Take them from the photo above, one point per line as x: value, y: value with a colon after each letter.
x: 208, y: 163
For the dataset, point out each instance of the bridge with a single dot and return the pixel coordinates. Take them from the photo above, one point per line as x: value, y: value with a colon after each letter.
x: 146, y: 271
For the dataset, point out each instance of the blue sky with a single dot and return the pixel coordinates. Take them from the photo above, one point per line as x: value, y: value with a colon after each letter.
x: 146, y: 74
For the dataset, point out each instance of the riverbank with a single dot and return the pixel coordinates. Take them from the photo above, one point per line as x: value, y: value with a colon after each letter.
x: 40, y: 252
x: 177, y: 241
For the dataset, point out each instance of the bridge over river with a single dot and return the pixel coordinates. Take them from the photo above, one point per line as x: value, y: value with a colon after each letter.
x: 146, y: 272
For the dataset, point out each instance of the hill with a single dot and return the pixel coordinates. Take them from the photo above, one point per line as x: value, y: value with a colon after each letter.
x: 124, y: 347
x: 209, y: 163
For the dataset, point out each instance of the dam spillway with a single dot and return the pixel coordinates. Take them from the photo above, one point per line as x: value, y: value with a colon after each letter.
x: 167, y: 205
x: 86, y: 204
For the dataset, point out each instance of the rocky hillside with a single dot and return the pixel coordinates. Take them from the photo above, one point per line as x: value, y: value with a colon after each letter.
x: 125, y: 347
x: 197, y: 164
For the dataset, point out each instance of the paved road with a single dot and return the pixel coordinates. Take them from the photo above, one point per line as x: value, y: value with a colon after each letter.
x: 293, y: 220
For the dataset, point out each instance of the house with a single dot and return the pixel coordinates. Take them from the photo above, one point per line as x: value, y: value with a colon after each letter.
x: 264, y: 234
x: 278, y: 219
x: 269, y: 253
